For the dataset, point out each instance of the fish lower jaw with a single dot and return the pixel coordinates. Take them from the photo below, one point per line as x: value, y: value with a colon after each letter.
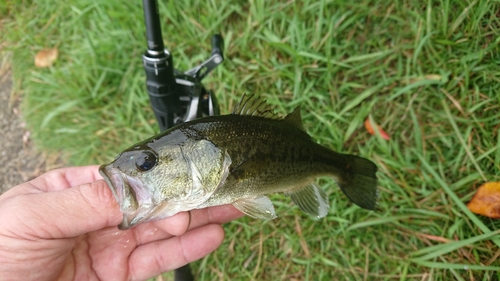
x: 131, y: 218
x: 149, y: 212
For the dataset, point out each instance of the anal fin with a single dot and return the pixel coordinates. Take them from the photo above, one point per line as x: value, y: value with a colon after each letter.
x: 311, y: 199
x: 259, y: 208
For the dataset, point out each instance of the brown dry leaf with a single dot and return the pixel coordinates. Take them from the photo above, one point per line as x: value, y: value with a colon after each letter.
x: 46, y: 57
x: 369, y: 128
x: 486, y: 201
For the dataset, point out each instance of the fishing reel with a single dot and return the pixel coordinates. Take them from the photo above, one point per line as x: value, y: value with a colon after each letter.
x: 176, y: 96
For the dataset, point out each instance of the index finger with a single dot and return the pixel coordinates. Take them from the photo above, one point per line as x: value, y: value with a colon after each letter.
x: 185, y: 221
x: 66, y: 177
x: 55, y: 180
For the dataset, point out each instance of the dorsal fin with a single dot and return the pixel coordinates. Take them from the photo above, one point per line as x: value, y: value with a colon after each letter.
x: 254, y: 106
x: 294, y: 118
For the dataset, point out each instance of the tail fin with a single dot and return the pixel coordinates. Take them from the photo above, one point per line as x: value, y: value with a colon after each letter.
x: 359, y: 182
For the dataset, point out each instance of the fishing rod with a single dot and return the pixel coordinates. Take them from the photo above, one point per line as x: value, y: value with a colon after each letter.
x: 176, y: 96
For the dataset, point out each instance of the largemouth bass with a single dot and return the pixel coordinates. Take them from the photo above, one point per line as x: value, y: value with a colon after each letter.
x: 234, y: 159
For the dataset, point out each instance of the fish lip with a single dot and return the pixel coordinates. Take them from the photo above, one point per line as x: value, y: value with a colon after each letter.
x: 116, y: 183
x: 113, y: 179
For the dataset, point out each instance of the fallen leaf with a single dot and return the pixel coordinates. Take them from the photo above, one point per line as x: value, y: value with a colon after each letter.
x: 435, y: 77
x: 486, y: 201
x: 26, y: 137
x: 369, y: 128
x: 46, y: 57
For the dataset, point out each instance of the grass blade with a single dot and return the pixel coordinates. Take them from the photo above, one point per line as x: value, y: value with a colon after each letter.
x: 456, y: 266
x: 442, y: 249
x: 427, y: 167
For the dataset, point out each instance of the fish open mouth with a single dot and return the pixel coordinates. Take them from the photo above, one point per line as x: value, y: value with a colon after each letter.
x: 114, y: 179
x: 123, y: 193
x: 134, y: 200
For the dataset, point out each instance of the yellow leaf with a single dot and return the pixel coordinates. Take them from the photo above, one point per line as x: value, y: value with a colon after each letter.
x: 46, y: 57
x: 486, y: 201
x: 435, y: 77
x: 369, y: 128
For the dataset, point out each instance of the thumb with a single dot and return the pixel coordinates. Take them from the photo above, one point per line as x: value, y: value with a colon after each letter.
x: 64, y: 213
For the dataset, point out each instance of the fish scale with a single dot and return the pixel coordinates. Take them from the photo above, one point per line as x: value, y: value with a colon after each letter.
x: 276, y: 159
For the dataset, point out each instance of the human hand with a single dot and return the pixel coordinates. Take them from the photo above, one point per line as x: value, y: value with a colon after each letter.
x: 62, y: 226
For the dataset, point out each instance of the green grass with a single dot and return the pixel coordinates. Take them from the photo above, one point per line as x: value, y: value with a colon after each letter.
x: 428, y: 72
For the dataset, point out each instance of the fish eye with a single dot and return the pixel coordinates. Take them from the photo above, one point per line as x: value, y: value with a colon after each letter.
x: 145, y: 161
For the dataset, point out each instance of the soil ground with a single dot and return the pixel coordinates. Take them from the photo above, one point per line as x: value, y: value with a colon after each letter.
x: 20, y: 160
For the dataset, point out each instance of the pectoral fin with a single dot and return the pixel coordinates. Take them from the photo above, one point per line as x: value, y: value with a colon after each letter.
x: 259, y: 208
x: 311, y: 199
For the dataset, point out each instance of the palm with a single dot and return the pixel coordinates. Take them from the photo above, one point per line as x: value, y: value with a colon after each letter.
x: 106, y: 254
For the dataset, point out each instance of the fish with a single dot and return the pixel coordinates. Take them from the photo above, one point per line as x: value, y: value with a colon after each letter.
x: 234, y: 159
